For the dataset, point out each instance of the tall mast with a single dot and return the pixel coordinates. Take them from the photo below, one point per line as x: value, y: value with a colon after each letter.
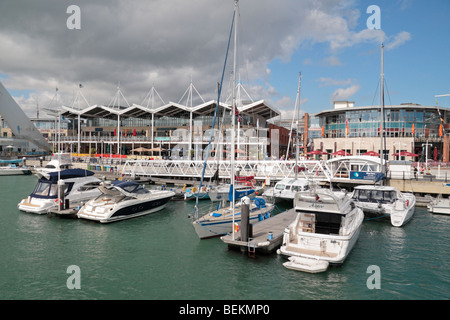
x: 233, y: 115
x: 382, y: 113
x: 297, y: 106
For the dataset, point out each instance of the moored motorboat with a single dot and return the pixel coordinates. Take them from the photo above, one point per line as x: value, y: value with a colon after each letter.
x: 285, y: 189
x: 385, y: 202
x: 12, y: 170
x: 124, y: 200
x: 60, y: 161
x: 439, y: 205
x: 78, y: 185
x: 324, y: 232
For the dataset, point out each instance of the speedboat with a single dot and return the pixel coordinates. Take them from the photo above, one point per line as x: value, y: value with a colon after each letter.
x: 60, y: 161
x: 78, y: 185
x: 12, y: 170
x: 385, y: 202
x: 324, y: 232
x: 124, y: 200
x: 220, y: 222
x: 439, y: 205
x: 286, y: 189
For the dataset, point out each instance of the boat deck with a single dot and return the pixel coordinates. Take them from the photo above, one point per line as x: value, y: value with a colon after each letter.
x: 260, y: 241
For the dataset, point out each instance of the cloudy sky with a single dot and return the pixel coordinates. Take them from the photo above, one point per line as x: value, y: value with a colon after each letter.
x: 137, y: 44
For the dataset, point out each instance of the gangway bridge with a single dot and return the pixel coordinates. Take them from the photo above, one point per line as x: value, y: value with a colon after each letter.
x: 350, y: 170
x: 260, y: 170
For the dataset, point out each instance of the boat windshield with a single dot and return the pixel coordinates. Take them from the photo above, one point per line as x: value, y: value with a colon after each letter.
x: 279, y: 187
x: 47, y: 189
x: 135, y: 189
x: 382, y: 196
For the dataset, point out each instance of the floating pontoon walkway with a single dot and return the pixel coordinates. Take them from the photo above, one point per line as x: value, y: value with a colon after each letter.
x: 260, y: 241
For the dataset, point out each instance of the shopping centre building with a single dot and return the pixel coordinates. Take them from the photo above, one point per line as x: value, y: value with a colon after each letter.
x: 177, y: 131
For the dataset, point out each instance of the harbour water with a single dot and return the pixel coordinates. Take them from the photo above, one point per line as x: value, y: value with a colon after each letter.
x: 159, y: 257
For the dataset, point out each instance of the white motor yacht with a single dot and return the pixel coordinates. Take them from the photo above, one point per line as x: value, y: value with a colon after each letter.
x: 439, y: 205
x: 12, y: 170
x: 385, y: 202
x: 324, y: 232
x: 60, y: 161
x: 220, y: 222
x: 78, y: 185
x: 285, y: 189
x: 124, y: 200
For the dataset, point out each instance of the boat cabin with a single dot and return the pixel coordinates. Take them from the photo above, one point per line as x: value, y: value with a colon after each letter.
x: 294, y: 185
x: 379, y: 195
x: 320, y: 213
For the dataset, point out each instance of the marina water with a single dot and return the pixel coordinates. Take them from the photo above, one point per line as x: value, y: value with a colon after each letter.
x: 159, y: 256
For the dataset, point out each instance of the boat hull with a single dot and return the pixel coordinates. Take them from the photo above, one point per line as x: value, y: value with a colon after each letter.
x: 127, y: 210
x: 14, y: 172
x: 333, y: 257
x: 439, y: 206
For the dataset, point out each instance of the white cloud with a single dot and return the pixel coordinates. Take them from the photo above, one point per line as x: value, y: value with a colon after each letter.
x: 332, y: 61
x: 325, y: 82
x: 398, y: 40
x: 344, y: 94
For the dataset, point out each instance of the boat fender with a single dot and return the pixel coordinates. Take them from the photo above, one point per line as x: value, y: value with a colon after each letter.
x: 407, y: 203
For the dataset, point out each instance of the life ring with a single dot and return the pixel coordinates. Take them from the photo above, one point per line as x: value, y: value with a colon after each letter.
x: 236, y: 227
x: 194, y: 189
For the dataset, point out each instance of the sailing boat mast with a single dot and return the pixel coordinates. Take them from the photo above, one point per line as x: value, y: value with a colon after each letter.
x: 233, y: 115
x: 382, y: 114
x: 297, y: 106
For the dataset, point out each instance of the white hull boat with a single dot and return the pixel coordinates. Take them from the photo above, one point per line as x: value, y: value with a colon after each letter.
x: 385, y: 202
x: 124, y: 200
x: 439, y: 205
x: 13, y: 170
x: 324, y: 232
x: 79, y: 186
x: 60, y: 161
x: 286, y: 189
x: 220, y: 222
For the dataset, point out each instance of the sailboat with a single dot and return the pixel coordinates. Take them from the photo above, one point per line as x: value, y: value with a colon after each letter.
x: 226, y: 220
x: 379, y: 201
x: 286, y: 189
